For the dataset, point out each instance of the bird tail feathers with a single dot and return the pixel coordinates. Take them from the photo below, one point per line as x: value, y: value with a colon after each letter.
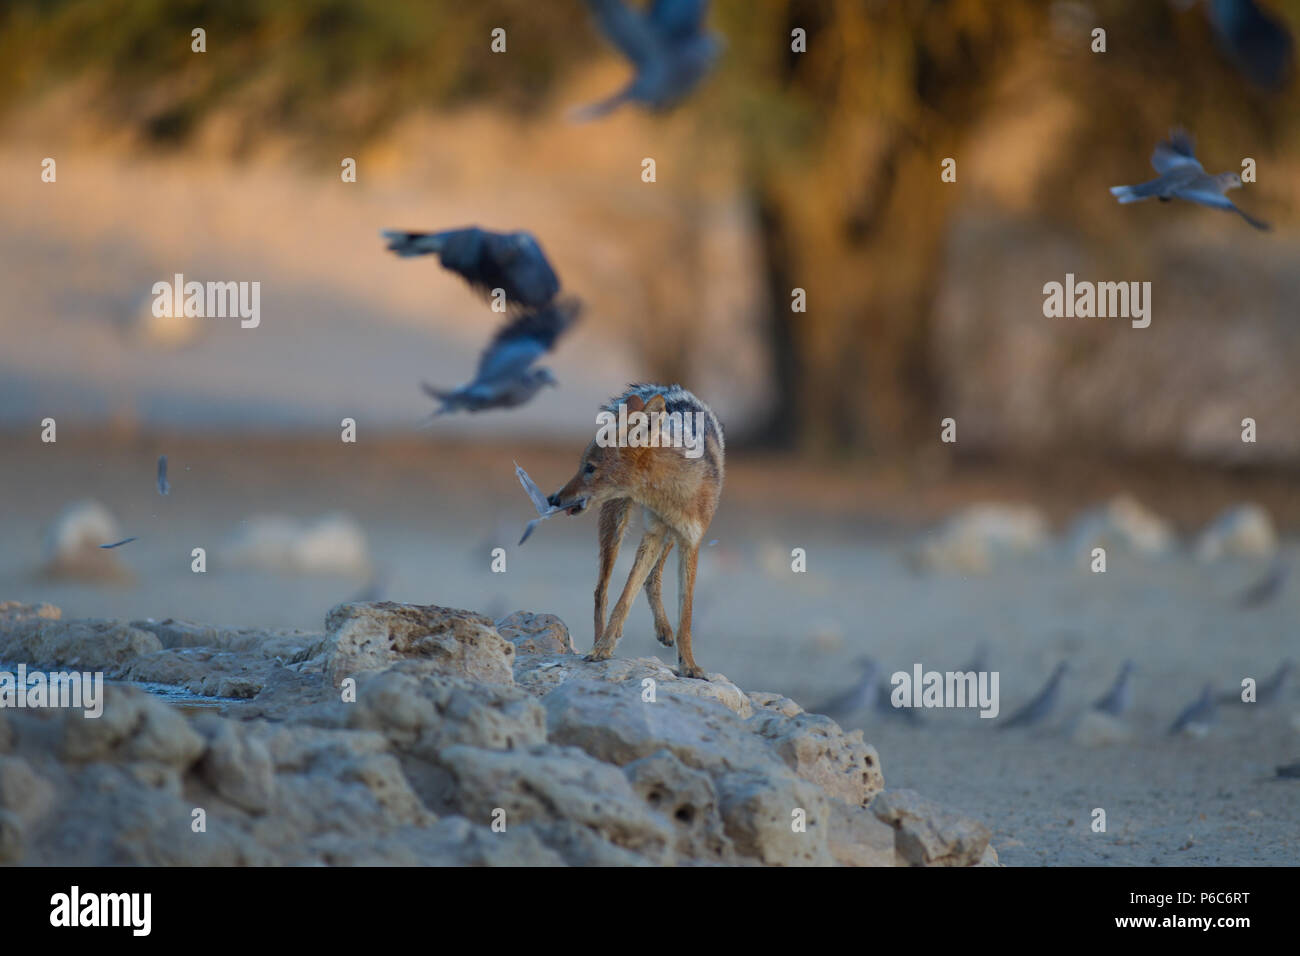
x: 413, y: 243
x: 585, y: 114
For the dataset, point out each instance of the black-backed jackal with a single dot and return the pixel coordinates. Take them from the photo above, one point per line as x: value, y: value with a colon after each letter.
x: 675, y: 478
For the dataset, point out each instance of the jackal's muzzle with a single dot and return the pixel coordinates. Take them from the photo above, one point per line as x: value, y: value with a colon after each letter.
x: 575, y: 507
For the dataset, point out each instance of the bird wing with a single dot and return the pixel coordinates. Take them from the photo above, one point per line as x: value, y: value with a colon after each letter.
x: 627, y: 29
x: 1179, y: 150
x: 487, y: 260
x: 525, y: 339
x: 526, y: 276
x: 678, y: 19
x: 1207, y: 196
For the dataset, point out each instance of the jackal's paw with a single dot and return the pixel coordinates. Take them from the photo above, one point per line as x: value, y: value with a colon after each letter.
x: 598, y: 654
x: 695, y: 672
x: 664, y: 635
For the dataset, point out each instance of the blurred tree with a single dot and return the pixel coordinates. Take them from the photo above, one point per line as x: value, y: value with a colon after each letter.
x: 842, y: 144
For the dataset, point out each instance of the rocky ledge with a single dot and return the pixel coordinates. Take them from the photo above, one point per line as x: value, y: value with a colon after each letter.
x: 427, y: 735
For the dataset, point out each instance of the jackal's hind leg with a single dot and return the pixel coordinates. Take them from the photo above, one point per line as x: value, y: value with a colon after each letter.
x: 654, y: 592
x: 687, y: 558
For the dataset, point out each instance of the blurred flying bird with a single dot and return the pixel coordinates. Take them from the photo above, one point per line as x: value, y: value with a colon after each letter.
x: 1041, y: 706
x: 1257, y: 42
x: 1120, y: 696
x: 1266, y: 588
x: 510, y: 261
x: 666, y: 44
x: 1183, y: 177
x: 514, y: 263
x: 1198, y: 715
x: 118, y: 544
x: 163, y: 487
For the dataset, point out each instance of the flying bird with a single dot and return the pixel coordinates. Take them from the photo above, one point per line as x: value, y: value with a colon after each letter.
x: 515, y: 264
x: 666, y: 44
x: 1119, y: 698
x: 1198, y: 715
x: 1041, y: 706
x: 1257, y: 42
x: 1183, y: 177
x: 510, y: 261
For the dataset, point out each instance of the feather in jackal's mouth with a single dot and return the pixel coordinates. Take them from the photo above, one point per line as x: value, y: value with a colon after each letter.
x: 575, y: 507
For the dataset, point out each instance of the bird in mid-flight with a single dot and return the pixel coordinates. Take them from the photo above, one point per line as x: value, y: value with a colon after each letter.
x: 1256, y: 41
x: 1183, y: 177
x: 666, y: 43
x: 514, y: 266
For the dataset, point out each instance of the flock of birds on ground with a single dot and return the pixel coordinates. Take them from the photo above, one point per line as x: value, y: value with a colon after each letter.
x: 871, y: 694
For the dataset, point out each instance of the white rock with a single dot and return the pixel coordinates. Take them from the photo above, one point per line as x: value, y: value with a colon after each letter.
x: 972, y: 539
x: 1244, y: 530
x: 1122, y: 523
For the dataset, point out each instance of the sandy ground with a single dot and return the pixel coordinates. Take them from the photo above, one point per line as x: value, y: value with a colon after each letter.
x: 434, y: 511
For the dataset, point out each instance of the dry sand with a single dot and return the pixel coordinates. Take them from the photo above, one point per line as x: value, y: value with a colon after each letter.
x: 434, y: 512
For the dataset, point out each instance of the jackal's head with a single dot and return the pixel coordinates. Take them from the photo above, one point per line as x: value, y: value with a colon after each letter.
x: 609, y: 469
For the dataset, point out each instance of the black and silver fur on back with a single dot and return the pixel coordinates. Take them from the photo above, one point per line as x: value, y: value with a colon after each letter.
x: 676, y: 399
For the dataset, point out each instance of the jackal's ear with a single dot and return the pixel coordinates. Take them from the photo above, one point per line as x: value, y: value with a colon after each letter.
x: 656, y: 405
x: 634, y: 404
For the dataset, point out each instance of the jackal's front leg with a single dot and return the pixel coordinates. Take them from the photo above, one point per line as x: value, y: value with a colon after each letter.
x: 646, y: 555
x: 688, y: 556
x: 613, y: 522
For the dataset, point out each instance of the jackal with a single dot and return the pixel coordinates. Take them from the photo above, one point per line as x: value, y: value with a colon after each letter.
x: 677, y: 492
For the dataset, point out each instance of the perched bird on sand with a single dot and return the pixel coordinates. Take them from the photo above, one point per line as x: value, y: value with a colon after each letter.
x: 860, y: 697
x: 1270, y: 688
x: 515, y: 264
x: 871, y: 691
x: 1042, y: 705
x: 1256, y: 41
x: 1183, y: 177
x: 667, y: 45
x: 979, y: 661
x: 1119, y: 698
x: 1198, y: 715
x: 1266, y: 588
x: 1267, y: 690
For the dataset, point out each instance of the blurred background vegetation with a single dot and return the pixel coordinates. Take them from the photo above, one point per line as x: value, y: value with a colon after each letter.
x: 838, y: 149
